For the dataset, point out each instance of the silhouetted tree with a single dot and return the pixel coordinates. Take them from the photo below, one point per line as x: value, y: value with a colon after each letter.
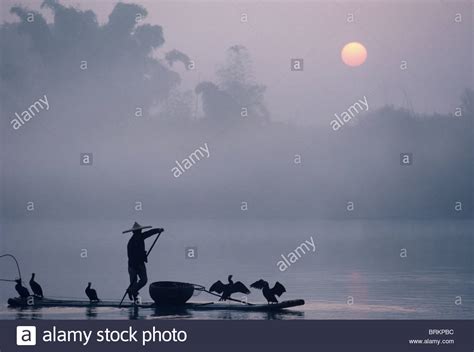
x: 117, y: 74
x: 236, y: 96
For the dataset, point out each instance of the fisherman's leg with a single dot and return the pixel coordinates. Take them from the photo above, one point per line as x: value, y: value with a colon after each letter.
x: 132, y: 272
x: 143, y: 277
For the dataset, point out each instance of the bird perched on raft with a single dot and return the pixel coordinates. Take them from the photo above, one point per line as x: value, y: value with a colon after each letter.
x: 226, y: 290
x: 269, y: 293
x: 22, y: 290
x: 35, y: 287
x: 91, y: 293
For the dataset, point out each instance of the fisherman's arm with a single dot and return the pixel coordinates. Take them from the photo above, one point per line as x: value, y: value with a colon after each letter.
x: 151, y: 232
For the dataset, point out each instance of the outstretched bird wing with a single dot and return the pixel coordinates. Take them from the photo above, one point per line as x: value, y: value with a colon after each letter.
x: 217, y: 286
x: 278, y: 289
x: 260, y: 284
x: 240, y: 287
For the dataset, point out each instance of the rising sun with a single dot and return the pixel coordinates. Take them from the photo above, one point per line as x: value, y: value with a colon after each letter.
x: 354, y: 54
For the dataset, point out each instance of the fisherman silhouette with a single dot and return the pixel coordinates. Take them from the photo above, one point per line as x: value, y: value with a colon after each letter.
x: 137, y: 258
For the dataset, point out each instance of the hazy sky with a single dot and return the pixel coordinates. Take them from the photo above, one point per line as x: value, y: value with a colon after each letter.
x: 93, y: 110
x: 438, y: 50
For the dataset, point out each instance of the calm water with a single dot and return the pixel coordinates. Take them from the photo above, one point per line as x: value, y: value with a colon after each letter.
x: 358, y: 259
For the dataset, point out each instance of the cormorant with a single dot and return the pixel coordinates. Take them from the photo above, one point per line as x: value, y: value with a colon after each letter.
x: 35, y: 287
x: 269, y: 293
x: 22, y: 290
x: 226, y: 290
x: 91, y: 293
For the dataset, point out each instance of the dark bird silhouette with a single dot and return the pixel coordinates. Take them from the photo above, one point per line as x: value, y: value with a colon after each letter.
x: 35, y: 287
x: 91, y: 293
x: 22, y: 290
x: 226, y: 290
x: 269, y: 293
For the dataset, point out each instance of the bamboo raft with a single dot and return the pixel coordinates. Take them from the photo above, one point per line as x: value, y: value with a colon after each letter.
x: 47, y: 303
